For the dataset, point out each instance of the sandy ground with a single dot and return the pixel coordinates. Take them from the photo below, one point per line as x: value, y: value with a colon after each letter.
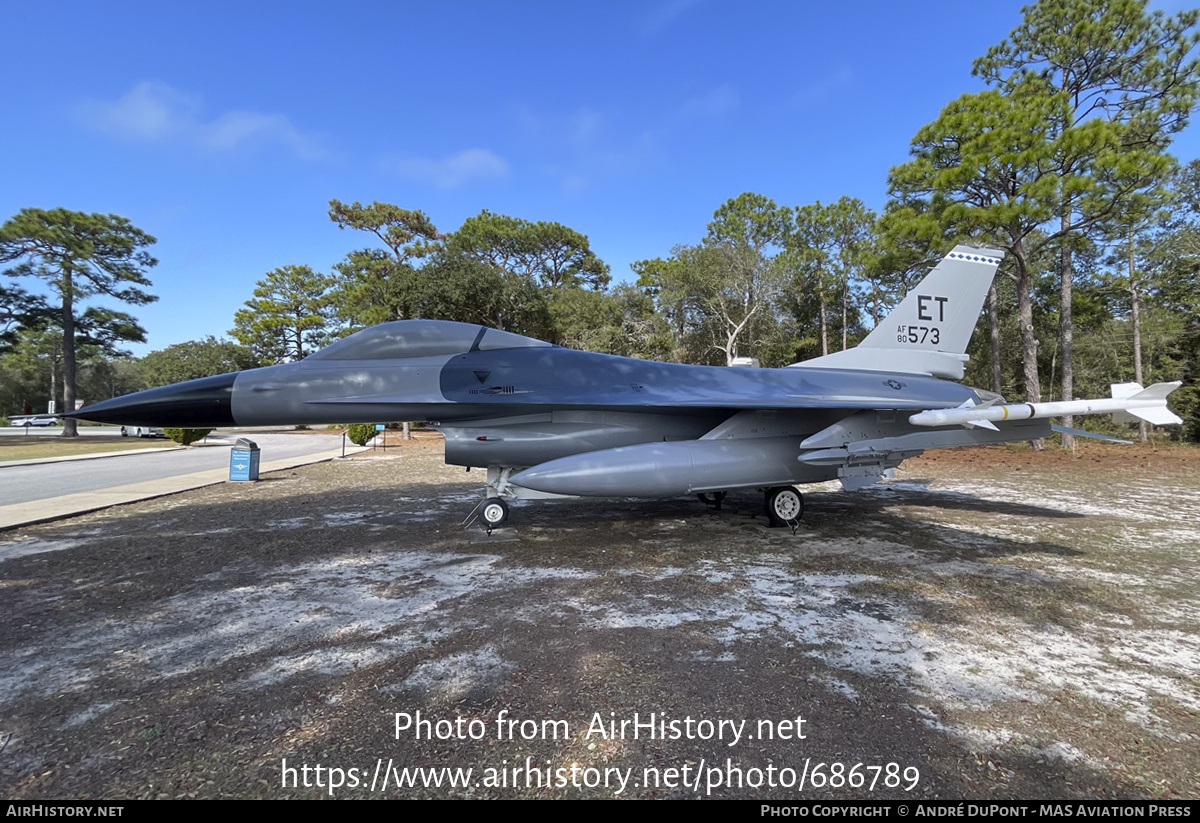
x: 995, y: 623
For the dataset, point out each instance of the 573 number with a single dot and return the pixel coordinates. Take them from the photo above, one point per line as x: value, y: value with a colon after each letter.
x: 918, y: 334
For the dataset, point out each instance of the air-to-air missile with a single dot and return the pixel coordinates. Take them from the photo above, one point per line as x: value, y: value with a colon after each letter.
x: 548, y: 421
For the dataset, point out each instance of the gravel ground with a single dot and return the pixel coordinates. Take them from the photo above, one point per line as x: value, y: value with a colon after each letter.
x: 995, y: 623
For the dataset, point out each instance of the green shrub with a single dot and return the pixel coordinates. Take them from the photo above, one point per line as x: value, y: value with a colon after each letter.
x: 361, y: 433
x: 186, y: 437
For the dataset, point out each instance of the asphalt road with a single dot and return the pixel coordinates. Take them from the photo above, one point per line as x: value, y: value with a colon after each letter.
x: 46, y: 491
x: 21, y: 484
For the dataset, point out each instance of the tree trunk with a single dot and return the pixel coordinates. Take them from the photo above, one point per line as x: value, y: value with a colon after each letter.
x: 1053, y: 366
x: 1066, y: 277
x: 824, y: 326
x: 994, y: 325
x: 1135, y: 311
x: 845, y: 308
x: 68, y: 324
x: 1066, y: 326
x: 1029, y: 343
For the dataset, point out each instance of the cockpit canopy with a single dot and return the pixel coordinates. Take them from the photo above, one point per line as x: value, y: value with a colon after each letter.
x: 421, y: 338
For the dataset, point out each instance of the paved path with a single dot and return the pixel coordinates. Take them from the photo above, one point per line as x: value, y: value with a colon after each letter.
x: 47, y: 490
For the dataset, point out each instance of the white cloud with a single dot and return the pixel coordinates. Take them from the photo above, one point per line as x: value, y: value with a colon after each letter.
x: 820, y: 89
x: 585, y: 126
x: 454, y: 170
x: 156, y: 112
x: 717, y: 103
x: 659, y: 17
x: 151, y: 111
x: 578, y: 146
x: 235, y: 128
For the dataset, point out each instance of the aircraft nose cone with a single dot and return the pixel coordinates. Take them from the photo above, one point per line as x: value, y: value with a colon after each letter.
x: 202, y: 403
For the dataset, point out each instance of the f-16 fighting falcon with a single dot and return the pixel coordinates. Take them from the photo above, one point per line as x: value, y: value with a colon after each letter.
x: 546, y: 421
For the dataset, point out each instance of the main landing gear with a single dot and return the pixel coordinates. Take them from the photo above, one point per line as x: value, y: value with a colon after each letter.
x: 784, y: 506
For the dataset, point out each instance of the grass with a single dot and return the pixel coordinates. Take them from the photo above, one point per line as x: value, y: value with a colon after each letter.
x: 37, y: 446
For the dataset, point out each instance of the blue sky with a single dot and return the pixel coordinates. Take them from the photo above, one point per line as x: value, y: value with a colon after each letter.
x: 224, y: 129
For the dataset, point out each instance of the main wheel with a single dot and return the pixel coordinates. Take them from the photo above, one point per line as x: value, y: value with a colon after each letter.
x: 124, y: 432
x: 495, y: 512
x: 785, y: 505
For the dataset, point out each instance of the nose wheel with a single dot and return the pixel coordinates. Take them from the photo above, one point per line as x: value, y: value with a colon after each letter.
x: 785, y: 506
x: 494, y: 513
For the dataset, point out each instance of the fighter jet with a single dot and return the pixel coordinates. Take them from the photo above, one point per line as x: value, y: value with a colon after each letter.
x: 546, y: 421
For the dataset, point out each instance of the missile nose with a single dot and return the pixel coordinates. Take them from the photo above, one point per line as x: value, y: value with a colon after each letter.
x: 202, y: 403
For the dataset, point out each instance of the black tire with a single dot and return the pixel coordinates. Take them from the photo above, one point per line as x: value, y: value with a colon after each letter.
x: 124, y: 432
x: 785, y: 505
x: 494, y: 512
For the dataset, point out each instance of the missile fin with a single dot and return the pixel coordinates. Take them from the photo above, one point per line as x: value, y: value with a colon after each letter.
x: 1157, y: 416
x: 1157, y: 391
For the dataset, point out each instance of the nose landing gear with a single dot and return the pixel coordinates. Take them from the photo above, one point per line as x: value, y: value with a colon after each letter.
x: 494, y: 513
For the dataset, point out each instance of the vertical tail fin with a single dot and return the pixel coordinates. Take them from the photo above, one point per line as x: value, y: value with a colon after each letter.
x: 929, y: 331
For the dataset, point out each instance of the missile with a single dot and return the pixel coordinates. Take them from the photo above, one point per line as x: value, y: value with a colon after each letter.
x: 1129, y: 399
